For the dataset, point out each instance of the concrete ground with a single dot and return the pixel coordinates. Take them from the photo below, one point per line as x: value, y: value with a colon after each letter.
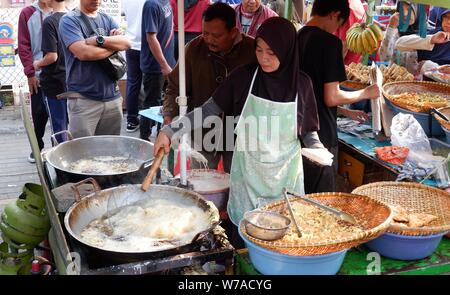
x: 15, y: 170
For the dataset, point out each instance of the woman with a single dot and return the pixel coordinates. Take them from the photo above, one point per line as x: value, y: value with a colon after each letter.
x: 272, y: 88
x: 435, y: 47
x: 388, y: 52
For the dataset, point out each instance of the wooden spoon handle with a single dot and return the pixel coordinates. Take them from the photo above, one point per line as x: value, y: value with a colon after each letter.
x: 151, y: 173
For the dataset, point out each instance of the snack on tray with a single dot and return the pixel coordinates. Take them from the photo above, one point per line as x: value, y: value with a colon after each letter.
x: 317, y: 224
x: 361, y: 73
x: 403, y: 218
x: 419, y: 102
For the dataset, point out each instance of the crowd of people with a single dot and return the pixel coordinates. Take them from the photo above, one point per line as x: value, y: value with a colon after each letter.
x: 242, y: 61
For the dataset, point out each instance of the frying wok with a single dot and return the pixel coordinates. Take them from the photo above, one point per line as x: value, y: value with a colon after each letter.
x: 101, y: 202
x: 137, y: 153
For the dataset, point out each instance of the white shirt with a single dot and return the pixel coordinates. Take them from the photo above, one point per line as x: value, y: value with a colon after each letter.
x: 133, y: 14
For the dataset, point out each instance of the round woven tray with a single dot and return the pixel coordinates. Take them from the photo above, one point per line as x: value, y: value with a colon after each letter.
x: 373, y: 216
x: 445, y: 111
x: 395, y: 88
x: 353, y: 85
x: 416, y: 198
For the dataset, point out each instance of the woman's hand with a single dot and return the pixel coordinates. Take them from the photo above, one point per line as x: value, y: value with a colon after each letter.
x: 162, y: 141
x: 394, y: 20
x: 445, y: 69
x: 440, y: 38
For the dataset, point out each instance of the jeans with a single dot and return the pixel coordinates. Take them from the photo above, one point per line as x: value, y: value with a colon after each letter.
x: 153, y: 87
x: 57, y: 111
x: 188, y: 36
x: 39, y: 115
x: 134, y: 81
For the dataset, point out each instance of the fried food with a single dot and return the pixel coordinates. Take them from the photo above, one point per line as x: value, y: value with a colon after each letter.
x: 404, y: 218
x: 317, y: 225
x: 419, y: 102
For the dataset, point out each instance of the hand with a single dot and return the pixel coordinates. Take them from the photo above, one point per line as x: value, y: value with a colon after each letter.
x: 162, y: 141
x: 394, y: 20
x: 36, y: 65
x: 445, y: 69
x: 116, y: 32
x: 166, y: 70
x: 372, y: 91
x: 440, y: 38
x: 167, y: 120
x: 33, y: 85
x: 357, y: 115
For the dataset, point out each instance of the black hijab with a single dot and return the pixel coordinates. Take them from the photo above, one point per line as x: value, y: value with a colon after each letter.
x: 414, y: 28
x: 283, y: 85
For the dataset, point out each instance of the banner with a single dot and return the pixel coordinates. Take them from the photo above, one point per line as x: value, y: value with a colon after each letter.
x: 7, y: 58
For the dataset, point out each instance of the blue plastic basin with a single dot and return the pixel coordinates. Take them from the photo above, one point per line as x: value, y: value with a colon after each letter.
x: 405, y: 247
x: 422, y: 118
x: 272, y: 263
x: 447, y: 134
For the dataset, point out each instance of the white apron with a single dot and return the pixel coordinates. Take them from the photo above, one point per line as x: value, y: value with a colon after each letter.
x: 261, y: 174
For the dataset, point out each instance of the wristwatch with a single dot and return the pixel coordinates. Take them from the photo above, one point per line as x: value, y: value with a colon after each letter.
x: 100, y: 41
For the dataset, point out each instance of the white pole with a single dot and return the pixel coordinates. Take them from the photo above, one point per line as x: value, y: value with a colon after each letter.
x: 182, y: 99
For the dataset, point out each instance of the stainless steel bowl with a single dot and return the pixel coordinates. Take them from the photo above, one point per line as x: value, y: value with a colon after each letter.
x: 266, y: 225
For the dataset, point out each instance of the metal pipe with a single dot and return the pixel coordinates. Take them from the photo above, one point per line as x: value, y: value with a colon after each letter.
x: 182, y: 99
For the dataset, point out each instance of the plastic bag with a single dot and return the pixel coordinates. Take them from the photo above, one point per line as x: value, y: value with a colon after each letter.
x: 407, y: 132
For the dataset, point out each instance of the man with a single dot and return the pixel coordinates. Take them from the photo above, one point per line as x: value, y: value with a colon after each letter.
x: 29, y: 49
x: 321, y: 58
x: 157, y: 57
x: 209, y: 59
x: 133, y: 13
x: 94, y: 103
x: 250, y: 14
x: 53, y: 75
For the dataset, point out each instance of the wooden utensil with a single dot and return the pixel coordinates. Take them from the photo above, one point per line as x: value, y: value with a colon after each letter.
x: 151, y: 173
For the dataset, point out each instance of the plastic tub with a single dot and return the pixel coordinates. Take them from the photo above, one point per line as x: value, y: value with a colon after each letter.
x: 405, y: 247
x: 447, y: 134
x: 271, y: 263
x: 422, y: 118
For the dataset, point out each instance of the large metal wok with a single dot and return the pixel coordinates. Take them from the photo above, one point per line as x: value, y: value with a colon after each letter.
x: 101, y: 202
x: 136, y: 151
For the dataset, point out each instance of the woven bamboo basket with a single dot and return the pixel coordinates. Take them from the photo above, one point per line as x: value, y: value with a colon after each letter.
x: 416, y: 198
x: 446, y: 112
x: 395, y: 88
x: 353, y: 85
x: 372, y: 216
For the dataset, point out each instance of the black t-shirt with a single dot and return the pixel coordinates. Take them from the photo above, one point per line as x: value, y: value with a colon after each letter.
x: 53, y: 76
x: 321, y: 58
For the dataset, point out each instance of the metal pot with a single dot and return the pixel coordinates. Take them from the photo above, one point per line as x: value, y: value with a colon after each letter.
x: 97, y: 205
x: 64, y: 155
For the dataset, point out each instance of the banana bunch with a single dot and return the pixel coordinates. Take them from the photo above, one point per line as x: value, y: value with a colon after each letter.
x: 364, y: 39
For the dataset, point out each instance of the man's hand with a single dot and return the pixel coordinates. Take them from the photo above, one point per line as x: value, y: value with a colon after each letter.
x: 116, y: 32
x: 440, y: 38
x: 372, y: 91
x: 36, y: 65
x: 394, y: 20
x: 33, y: 85
x: 357, y: 115
x: 166, y: 70
x: 162, y: 141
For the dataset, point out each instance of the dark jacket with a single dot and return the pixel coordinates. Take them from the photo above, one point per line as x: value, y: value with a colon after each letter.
x: 205, y: 70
